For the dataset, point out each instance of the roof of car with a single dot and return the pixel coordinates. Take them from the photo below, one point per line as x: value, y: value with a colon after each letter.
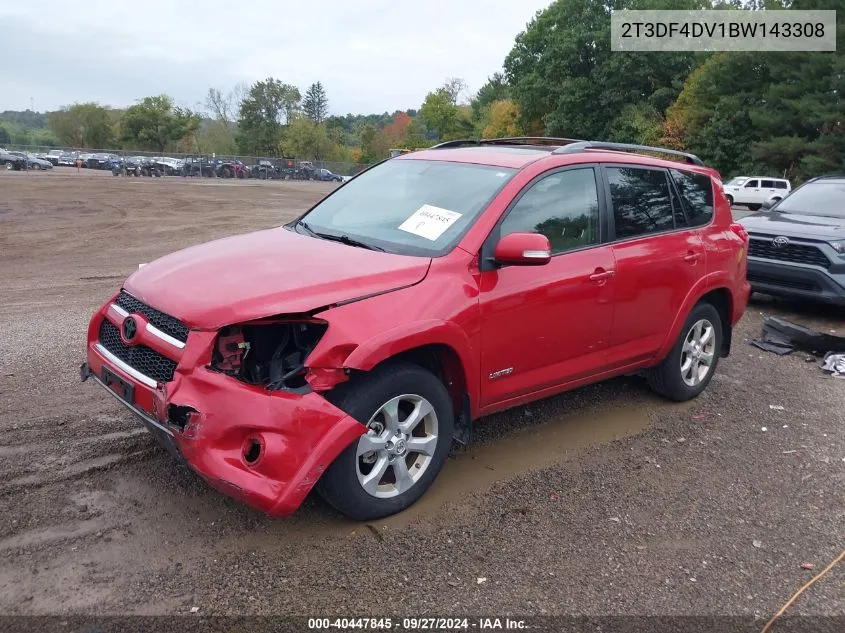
x: 517, y: 152
x: 838, y: 179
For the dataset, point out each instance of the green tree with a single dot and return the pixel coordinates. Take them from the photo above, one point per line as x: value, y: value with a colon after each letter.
x: 306, y: 140
x: 315, y: 104
x: 368, y: 136
x: 83, y: 125
x: 440, y: 113
x: 564, y: 76
x: 266, y: 109
x: 775, y: 112
x: 5, y: 137
x: 156, y: 124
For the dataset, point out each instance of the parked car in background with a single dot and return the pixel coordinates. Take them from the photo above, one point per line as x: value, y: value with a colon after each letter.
x: 22, y: 160
x: 13, y: 160
x: 752, y: 191
x: 231, y: 168
x: 263, y: 170
x: 797, y: 244
x: 169, y: 166
x: 52, y: 156
x: 37, y: 163
x: 67, y: 159
x: 326, y: 175
x: 349, y: 348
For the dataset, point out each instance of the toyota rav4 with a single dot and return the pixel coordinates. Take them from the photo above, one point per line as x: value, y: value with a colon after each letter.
x: 347, y: 349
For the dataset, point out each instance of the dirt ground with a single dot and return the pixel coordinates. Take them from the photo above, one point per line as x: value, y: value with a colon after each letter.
x: 606, y: 500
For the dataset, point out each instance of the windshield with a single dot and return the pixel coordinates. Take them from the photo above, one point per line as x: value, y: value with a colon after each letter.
x: 824, y: 198
x: 410, y: 207
x: 735, y: 182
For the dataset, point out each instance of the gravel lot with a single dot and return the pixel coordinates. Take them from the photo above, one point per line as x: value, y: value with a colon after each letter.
x: 606, y: 500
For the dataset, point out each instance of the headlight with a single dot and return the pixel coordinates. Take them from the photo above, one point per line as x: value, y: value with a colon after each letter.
x: 839, y: 247
x: 271, y: 353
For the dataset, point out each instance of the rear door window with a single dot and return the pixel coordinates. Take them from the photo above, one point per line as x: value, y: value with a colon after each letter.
x: 696, y: 192
x: 641, y: 201
x: 767, y: 184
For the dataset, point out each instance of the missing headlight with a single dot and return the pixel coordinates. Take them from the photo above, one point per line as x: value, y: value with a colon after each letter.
x: 269, y: 354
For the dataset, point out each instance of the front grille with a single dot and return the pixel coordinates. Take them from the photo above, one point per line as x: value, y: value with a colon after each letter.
x: 147, y: 361
x: 164, y: 322
x: 797, y: 284
x: 796, y: 253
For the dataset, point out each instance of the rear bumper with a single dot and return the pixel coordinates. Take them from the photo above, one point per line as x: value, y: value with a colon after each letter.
x: 796, y: 281
x: 209, y: 420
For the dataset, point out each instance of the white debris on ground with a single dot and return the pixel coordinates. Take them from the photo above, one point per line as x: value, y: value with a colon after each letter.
x: 834, y: 363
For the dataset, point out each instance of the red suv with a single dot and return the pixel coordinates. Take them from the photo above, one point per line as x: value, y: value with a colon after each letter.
x: 348, y: 349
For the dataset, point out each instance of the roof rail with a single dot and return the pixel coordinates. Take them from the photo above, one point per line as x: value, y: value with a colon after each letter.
x: 582, y: 146
x: 529, y: 140
x: 507, y: 140
x: 457, y: 143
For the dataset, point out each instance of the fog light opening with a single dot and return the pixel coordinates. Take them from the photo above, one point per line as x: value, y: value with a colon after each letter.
x: 253, y: 450
x: 179, y: 415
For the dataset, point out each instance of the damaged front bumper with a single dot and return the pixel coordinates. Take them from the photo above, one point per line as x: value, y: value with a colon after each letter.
x: 266, y: 449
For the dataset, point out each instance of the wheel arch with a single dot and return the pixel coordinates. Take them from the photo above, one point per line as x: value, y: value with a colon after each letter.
x: 711, y: 290
x: 441, y: 347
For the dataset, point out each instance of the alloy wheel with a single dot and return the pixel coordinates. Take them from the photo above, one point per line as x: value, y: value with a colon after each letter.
x: 398, y: 446
x: 698, y: 352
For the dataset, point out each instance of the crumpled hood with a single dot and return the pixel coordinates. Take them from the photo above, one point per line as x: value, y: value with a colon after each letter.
x: 795, y: 225
x: 266, y: 273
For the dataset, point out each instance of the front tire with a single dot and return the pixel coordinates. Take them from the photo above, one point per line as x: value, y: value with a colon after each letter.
x: 408, y: 412
x: 730, y: 199
x: 689, y: 367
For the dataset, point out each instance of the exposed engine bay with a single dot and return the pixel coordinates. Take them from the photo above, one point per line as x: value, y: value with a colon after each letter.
x: 271, y: 355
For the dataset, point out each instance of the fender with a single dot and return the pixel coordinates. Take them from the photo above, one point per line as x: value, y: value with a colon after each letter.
x: 711, y: 281
x: 416, y: 334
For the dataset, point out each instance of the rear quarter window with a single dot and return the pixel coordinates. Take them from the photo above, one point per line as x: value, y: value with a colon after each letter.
x: 696, y: 192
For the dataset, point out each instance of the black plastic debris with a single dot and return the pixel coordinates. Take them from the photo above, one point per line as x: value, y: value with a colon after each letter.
x: 783, y: 337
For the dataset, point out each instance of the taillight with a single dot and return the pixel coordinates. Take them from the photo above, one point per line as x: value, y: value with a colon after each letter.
x: 740, y: 231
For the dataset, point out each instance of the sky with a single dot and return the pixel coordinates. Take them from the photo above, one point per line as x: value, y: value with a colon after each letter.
x: 372, y: 56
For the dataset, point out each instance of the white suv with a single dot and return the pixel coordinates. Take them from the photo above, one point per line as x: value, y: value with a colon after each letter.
x: 752, y: 191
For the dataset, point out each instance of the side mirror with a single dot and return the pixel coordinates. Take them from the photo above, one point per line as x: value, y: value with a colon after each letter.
x: 768, y: 204
x: 523, y: 249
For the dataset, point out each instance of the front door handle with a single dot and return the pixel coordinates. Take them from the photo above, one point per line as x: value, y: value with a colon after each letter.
x: 691, y: 257
x: 601, y: 275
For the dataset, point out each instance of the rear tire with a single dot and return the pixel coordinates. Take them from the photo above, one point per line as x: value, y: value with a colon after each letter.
x: 753, y: 207
x: 405, y: 407
x: 690, y: 366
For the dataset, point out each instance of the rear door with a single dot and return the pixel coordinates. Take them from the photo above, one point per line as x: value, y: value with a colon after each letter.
x: 658, y: 260
x: 767, y: 189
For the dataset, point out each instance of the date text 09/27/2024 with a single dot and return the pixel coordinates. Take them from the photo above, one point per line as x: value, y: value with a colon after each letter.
x: 416, y: 624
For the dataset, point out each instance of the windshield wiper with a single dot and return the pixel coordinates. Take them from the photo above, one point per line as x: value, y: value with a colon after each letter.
x: 344, y: 239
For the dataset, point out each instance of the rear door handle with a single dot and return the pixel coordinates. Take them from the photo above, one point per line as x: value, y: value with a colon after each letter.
x: 691, y: 257
x: 602, y: 275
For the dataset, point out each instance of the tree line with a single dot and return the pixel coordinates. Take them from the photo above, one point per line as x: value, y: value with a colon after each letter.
x: 774, y: 113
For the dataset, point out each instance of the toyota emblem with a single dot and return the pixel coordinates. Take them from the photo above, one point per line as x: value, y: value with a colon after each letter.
x: 780, y: 241
x: 130, y: 328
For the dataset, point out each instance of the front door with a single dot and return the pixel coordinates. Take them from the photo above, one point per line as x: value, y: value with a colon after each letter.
x: 751, y: 192
x: 546, y: 325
